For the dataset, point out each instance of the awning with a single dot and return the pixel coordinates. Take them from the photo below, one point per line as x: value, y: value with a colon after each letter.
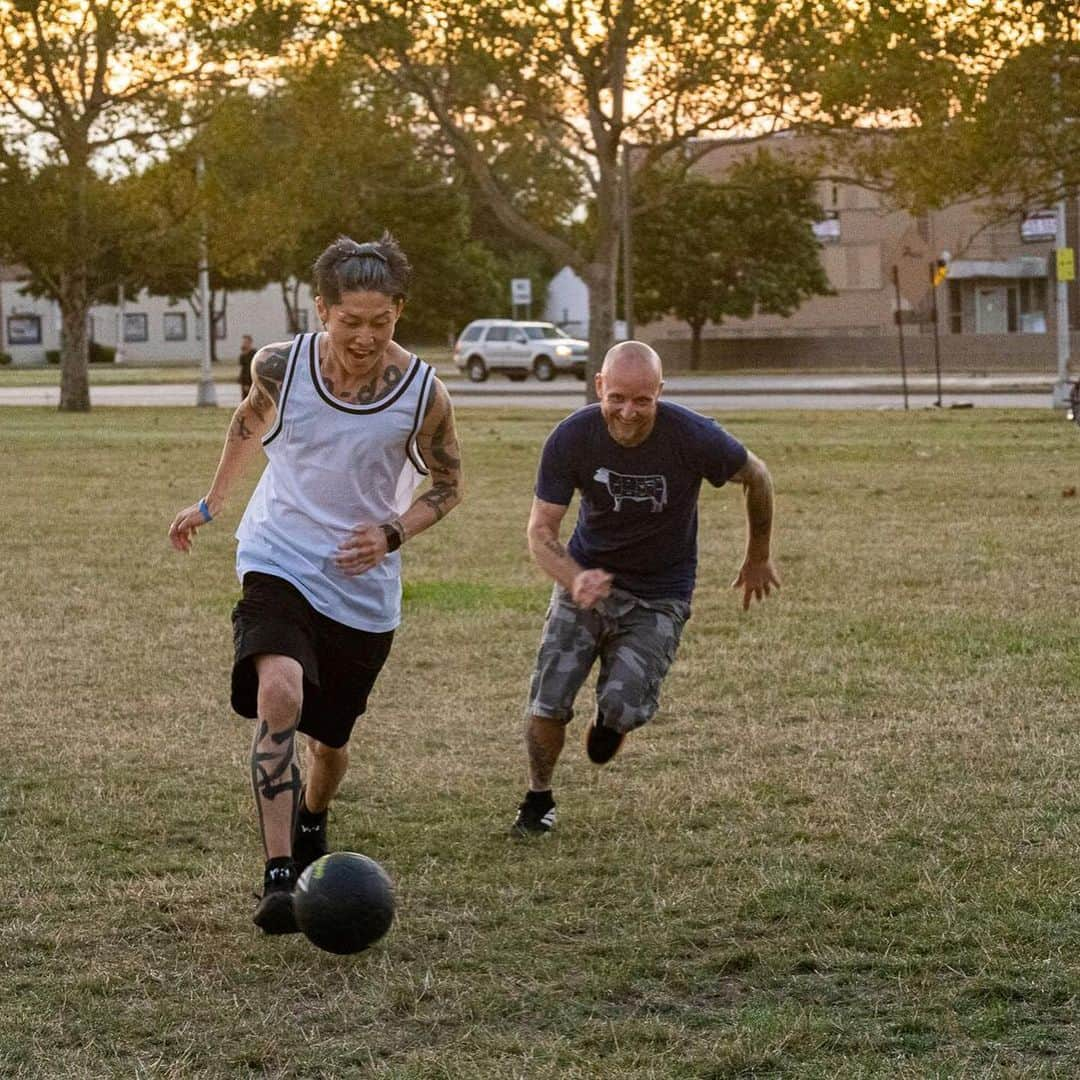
x: 1026, y: 266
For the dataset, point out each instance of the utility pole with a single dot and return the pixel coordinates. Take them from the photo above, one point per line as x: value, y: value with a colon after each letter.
x: 627, y: 246
x: 1061, y: 313
x: 900, y: 332
x: 207, y: 392
x: 121, y: 353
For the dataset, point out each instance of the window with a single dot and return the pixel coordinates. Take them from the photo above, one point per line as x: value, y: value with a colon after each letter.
x: 175, y: 326
x: 827, y: 230
x: 543, y: 330
x: 472, y: 333
x: 497, y: 333
x: 136, y: 327
x: 956, y: 308
x: 24, y: 329
x: 1032, y: 305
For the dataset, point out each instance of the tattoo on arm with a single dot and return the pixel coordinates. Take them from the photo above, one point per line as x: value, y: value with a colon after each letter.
x: 443, y: 456
x: 556, y: 548
x: 268, y: 372
x: 239, y: 429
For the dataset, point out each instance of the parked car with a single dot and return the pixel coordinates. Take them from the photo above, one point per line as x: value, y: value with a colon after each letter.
x: 518, y: 348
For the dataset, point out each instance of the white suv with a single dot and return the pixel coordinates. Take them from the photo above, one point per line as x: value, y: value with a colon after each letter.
x: 516, y: 348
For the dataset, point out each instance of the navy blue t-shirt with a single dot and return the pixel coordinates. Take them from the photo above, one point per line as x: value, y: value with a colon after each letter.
x: 638, y: 516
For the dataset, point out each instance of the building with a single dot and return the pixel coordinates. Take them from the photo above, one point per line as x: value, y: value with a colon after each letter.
x: 996, y: 307
x: 155, y: 330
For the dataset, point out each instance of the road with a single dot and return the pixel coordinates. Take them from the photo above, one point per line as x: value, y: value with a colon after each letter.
x: 719, y: 393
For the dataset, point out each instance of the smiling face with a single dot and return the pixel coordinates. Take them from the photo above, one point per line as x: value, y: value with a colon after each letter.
x: 360, y: 328
x: 628, y: 387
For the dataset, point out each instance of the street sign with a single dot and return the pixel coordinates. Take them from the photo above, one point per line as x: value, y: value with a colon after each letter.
x: 521, y: 290
x: 939, y: 271
x: 1066, y: 264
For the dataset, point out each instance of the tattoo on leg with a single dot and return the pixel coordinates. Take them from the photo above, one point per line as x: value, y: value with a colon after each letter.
x: 544, y: 742
x: 274, y: 771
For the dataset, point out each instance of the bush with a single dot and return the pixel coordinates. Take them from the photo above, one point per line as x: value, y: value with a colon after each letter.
x: 99, y: 354
x: 5, y: 359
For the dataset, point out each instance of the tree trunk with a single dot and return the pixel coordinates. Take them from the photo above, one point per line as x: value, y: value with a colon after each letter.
x: 600, y: 277
x: 74, y: 309
x: 75, y: 297
x: 696, y: 328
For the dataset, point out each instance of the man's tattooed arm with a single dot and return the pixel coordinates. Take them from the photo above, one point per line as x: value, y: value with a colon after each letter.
x: 438, y: 445
x: 250, y: 422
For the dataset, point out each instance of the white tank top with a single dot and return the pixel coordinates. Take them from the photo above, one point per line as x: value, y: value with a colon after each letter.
x: 333, y: 466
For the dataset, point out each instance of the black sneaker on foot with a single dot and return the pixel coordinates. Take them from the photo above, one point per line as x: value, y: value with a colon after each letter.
x: 274, y: 915
x: 601, y: 743
x: 308, y: 838
x: 535, y: 816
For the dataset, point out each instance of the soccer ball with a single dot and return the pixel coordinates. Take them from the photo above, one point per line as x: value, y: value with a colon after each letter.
x: 344, y: 902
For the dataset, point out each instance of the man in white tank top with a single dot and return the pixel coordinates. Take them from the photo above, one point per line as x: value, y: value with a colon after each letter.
x: 350, y: 423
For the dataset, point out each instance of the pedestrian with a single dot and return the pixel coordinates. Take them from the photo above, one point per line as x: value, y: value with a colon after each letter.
x: 247, y: 354
x: 624, y: 582
x: 350, y: 422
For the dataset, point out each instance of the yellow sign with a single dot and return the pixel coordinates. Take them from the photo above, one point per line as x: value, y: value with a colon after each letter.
x: 941, y: 271
x: 1066, y: 265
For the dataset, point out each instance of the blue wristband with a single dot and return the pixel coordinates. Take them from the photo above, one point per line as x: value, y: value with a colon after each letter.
x: 205, y: 511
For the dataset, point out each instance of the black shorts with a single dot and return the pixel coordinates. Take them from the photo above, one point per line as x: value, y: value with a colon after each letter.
x: 340, y: 663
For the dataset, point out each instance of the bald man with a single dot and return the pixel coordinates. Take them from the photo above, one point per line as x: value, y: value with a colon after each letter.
x: 624, y: 582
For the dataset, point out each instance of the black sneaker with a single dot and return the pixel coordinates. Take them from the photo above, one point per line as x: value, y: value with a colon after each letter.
x: 535, y: 816
x: 274, y: 915
x: 601, y: 743
x: 308, y: 838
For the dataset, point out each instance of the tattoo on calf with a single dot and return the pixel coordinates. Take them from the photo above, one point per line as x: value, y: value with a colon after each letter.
x: 275, y: 771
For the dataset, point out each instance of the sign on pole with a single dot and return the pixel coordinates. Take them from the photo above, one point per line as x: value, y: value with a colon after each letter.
x: 521, y: 291
x: 1066, y: 264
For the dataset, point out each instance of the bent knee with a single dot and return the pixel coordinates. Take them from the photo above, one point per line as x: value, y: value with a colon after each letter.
x: 281, y: 689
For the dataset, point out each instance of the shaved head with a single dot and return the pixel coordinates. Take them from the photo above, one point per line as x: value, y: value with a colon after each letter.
x: 628, y: 387
x: 633, y: 356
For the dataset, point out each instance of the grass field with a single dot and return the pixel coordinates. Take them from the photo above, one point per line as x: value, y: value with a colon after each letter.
x: 847, y: 847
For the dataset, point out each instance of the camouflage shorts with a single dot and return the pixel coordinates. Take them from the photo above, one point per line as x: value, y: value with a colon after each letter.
x: 635, y: 641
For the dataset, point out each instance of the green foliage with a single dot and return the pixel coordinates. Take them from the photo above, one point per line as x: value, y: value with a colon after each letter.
x: 706, y: 250
x: 5, y: 358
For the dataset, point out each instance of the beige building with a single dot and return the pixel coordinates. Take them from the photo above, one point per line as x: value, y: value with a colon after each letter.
x: 995, y: 306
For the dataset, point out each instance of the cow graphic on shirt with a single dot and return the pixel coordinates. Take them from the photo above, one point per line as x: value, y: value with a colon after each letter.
x: 650, y: 489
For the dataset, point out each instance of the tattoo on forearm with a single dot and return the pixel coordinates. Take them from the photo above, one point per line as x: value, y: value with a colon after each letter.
x: 438, y: 497
x: 555, y: 548
x: 759, y: 511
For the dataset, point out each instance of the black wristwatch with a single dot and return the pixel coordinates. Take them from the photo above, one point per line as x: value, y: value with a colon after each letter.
x: 393, y: 537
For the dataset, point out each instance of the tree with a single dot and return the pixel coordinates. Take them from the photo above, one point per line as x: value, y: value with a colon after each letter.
x: 559, y: 90
x: 705, y: 250
x: 968, y: 99
x: 319, y: 153
x: 81, y: 83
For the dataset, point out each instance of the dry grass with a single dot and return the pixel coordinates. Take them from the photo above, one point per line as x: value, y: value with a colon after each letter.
x: 846, y: 848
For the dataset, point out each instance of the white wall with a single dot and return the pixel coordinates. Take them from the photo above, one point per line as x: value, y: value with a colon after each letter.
x: 568, y: 303
x: 261, y: 314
